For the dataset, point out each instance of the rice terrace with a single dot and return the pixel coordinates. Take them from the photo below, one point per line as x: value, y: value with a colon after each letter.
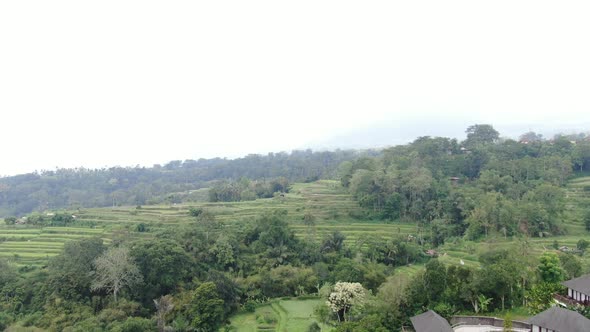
x: 333, y: 209
x: 326, y: 200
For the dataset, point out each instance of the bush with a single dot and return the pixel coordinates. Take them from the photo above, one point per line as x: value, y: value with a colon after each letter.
x: 195, y: 212
x: 134, y: 324
x: 5, y: 320
x: 249, y: 306
x: 88, y: 325
x: 445, y: 309
x: 32, y: 319
x: 314, y: 327
x: 266, y: 317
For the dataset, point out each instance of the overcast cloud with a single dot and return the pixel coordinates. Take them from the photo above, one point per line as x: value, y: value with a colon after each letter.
x: 96, y: 83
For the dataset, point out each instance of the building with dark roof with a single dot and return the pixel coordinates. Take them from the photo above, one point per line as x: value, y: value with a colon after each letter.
x: 430, y: 321
x: 557, y: 319
x: 578, y: 289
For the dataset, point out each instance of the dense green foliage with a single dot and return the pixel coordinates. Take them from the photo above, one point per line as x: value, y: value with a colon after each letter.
x: 191, y: 269
x: 209, y: 274
x: 174, y: 182
x: 480, y: 186
x: 247, y: 190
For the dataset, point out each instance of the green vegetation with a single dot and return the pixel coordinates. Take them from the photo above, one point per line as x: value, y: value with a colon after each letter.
x: 176, y: 182
x: 24, y: 245
x: 246, y: 190
x: 279, y: 315
x: 482, y: 226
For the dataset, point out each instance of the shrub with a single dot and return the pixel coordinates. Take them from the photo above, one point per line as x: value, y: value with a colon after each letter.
x: 582, y: 244
x: 314, y: 327
x: 5, y: 320
x: 195, y: 212
x: 32, y: 319
x: 266, y: 317
x: 445, y: 309
x: 134, y: 324
x: 249, y: 306
x: 10, y: 220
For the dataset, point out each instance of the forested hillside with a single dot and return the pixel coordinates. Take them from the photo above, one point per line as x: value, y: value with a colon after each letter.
x: 172, y: 183
x: 486, y: 226
x: 475, y: 187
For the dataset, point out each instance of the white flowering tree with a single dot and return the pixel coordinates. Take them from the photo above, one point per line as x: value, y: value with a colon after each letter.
x: 344, y: 297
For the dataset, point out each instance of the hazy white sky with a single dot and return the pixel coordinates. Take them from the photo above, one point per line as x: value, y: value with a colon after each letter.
x: 95, y: 83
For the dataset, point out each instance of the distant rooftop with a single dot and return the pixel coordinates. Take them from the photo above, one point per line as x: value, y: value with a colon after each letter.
x: 580, y: 284
x: 430, y: 321
x: 562, y: 320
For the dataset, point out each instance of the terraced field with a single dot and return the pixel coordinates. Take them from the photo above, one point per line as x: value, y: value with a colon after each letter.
x: 33, y: 246
x: 578, y: 202
x: 330, y: 205
x: 332, y: 208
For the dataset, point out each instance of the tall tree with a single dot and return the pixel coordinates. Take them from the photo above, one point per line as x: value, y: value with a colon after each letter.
x: 480, y: 134
x: 530, y: 137
x: 550, y: 268
x: 68, y: 272
x: 571, y: 264
x: 205, y: 309
x: 345, y: 297
x: 115, y: 270
x: 163, y: 306
x: 163, y: 264
x: 435, y: 280
x: 7, y: 273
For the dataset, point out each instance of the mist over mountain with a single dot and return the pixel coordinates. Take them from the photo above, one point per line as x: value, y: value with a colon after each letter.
x: 396, y: 132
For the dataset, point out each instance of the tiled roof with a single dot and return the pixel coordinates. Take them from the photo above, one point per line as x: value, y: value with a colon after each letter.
x: 430, y: 321
x: 581, y: 284
x: 562, y: 320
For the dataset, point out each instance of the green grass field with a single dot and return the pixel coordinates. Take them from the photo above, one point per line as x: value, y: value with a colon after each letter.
x: 280, y: 316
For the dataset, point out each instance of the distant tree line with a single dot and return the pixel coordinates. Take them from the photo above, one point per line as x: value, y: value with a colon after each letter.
x: 247, y: 190
x: 479, y: 186
x: 174, y: 182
